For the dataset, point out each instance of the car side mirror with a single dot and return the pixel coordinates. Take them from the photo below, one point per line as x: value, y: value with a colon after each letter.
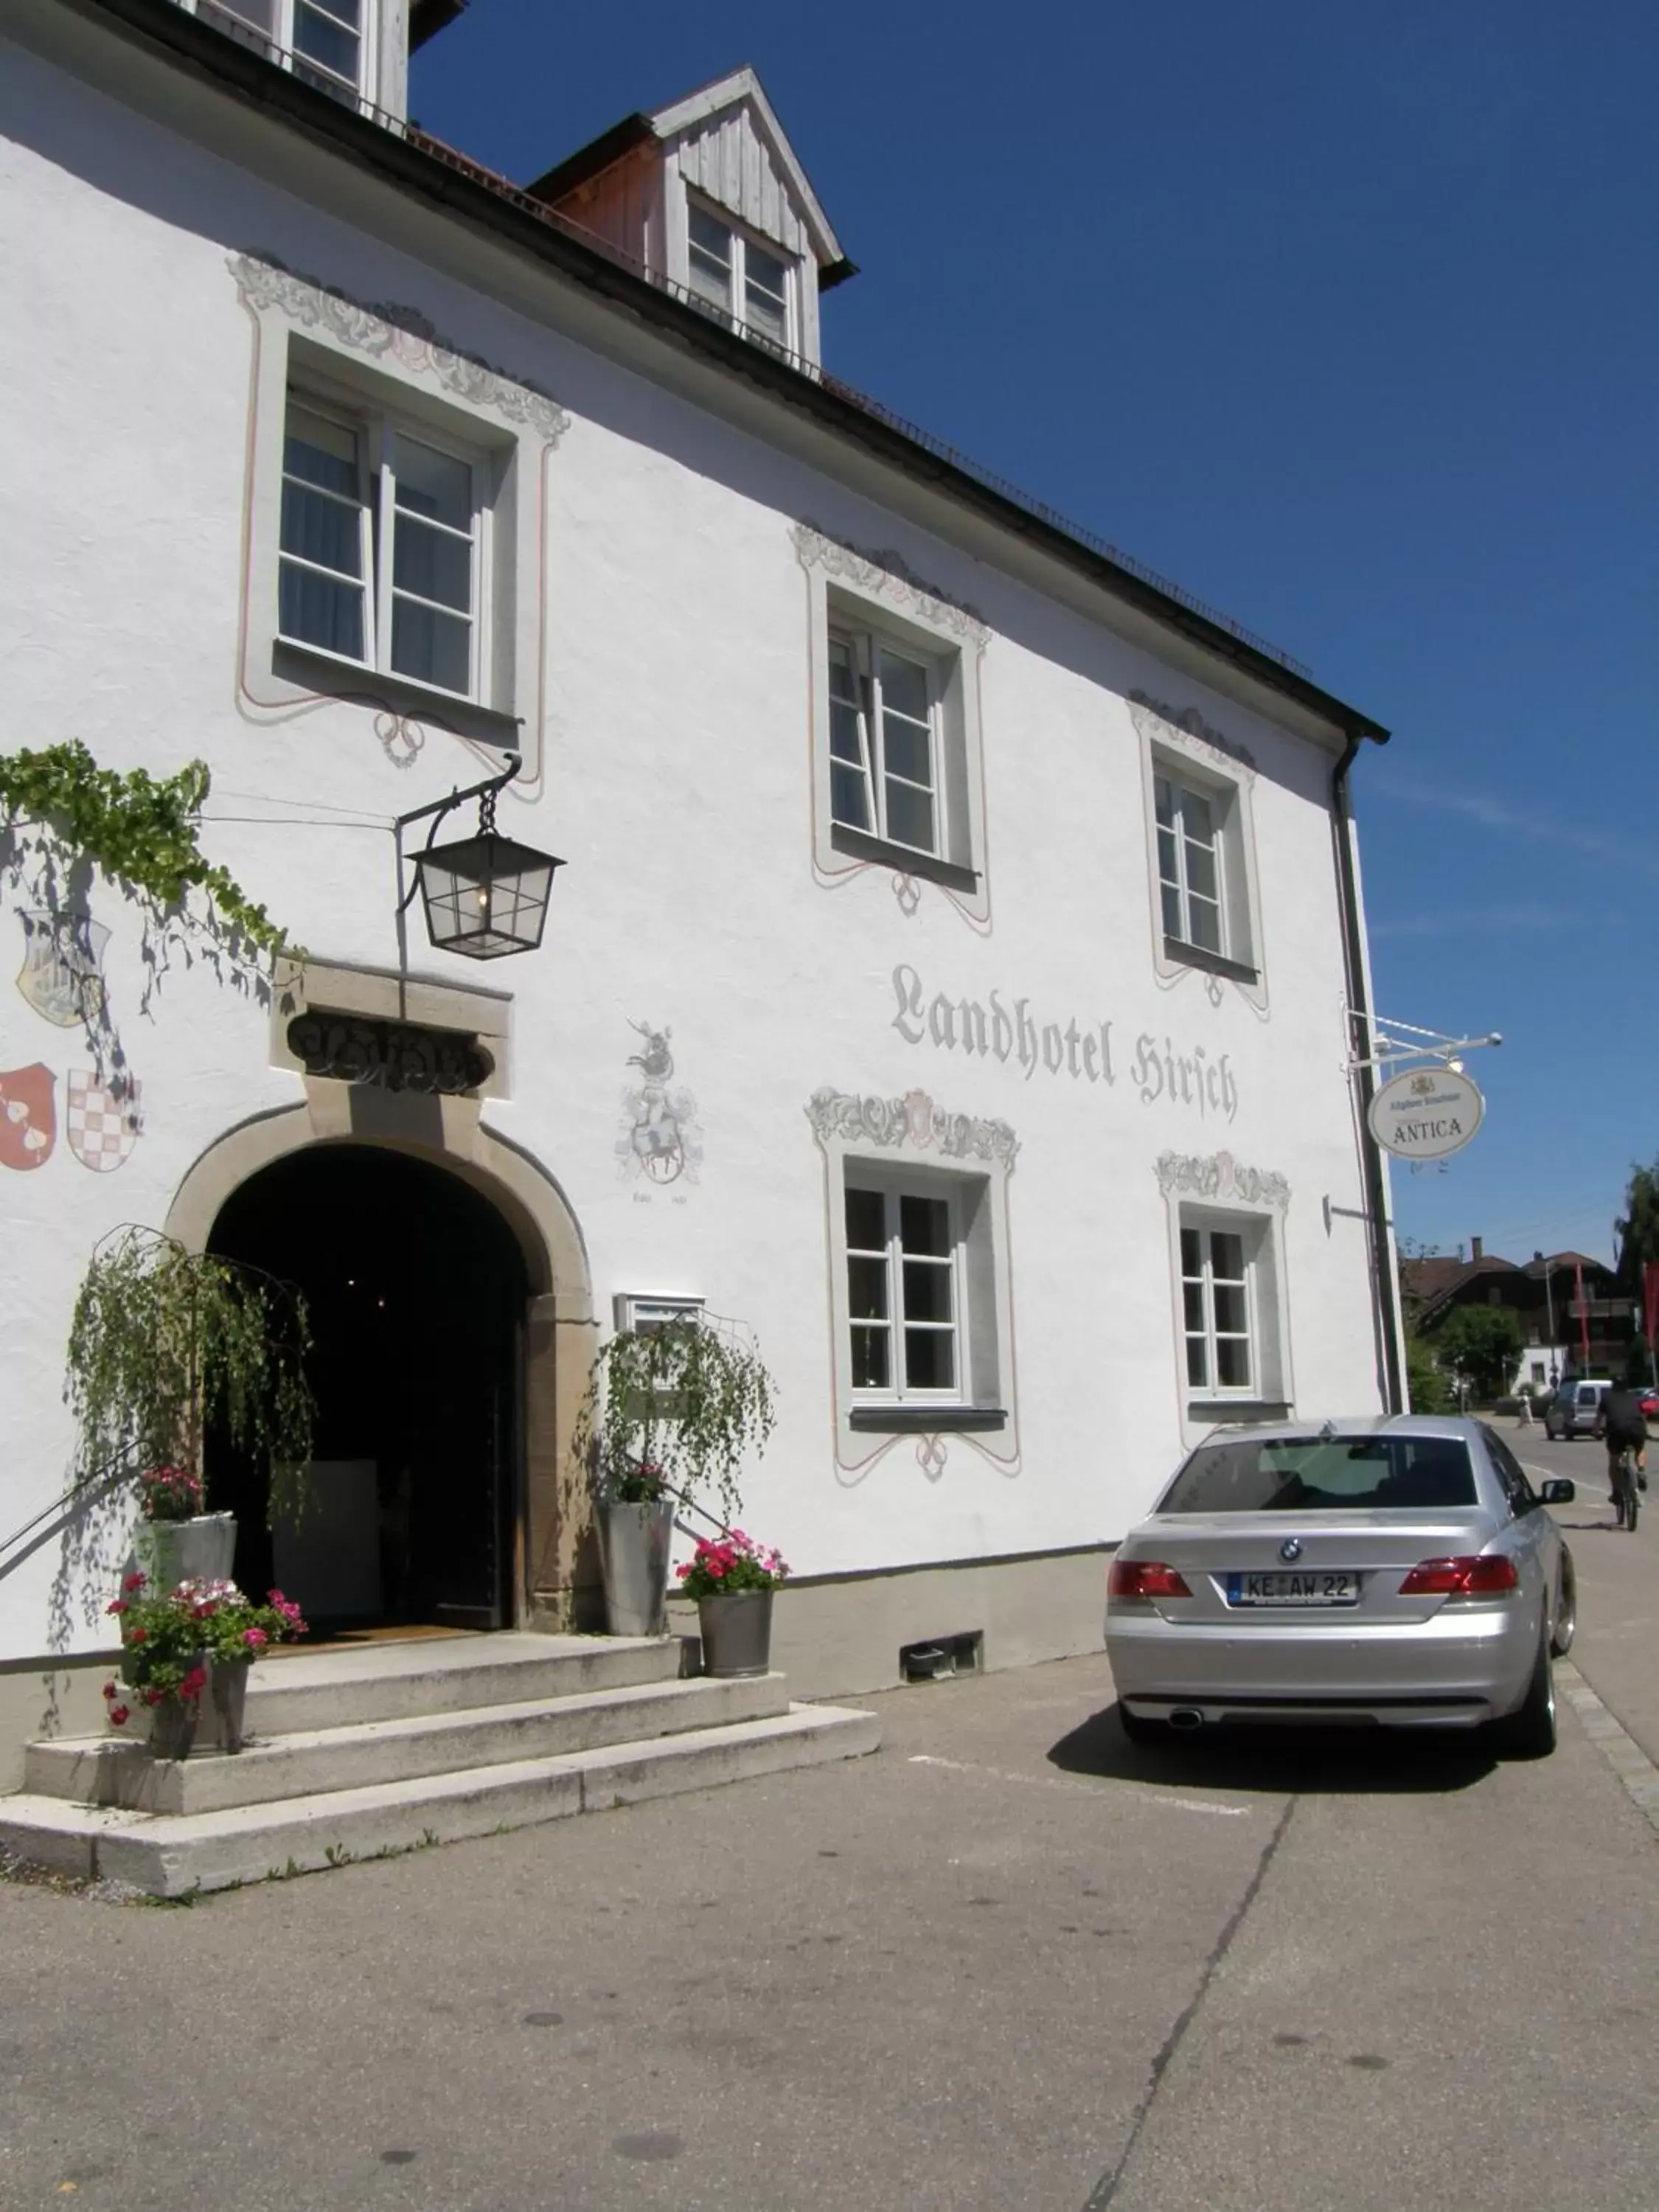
x: 1557, y: 1492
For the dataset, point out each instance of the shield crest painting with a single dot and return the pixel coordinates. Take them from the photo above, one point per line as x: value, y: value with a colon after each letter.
x: 28, y: 1118
x: 61, y: 975
x: 101, y: 1128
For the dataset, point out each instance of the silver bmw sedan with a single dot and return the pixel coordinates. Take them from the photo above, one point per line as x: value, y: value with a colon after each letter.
x: 1397, y: 1572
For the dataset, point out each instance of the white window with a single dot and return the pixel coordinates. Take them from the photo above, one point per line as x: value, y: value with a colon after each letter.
x: 320, y: 40
x: 1216, y: 1296
x: 885, y: 742
x: 740, y: 277
x: 1190, y: 867
x: 648, y: 1315
x: 382, y: 547
x: 904, y: 1292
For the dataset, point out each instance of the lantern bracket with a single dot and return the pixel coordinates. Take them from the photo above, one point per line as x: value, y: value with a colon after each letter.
x: 484, y: 793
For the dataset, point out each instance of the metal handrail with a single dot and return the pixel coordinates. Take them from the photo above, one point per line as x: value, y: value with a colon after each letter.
x: 88, y: 1487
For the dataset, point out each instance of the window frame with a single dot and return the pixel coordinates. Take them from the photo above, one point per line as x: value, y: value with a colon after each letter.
x: 1185, y: 794
x: 893, y: 1189
x: 742, y: 242
x: 279, y: 44
x: 867, y: 645
x: 376, y: 429
x: 1195, y: 759
x: 848, y: 591
x: 1209, y: 1335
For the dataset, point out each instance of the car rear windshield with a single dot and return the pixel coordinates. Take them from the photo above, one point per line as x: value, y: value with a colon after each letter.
x: 1310, y: 1475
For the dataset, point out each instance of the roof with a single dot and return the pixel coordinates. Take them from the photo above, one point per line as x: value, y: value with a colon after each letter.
x: 424, y: 169
x: 683, y: 114
x: 1436, y: 1281
x: 428, y: 17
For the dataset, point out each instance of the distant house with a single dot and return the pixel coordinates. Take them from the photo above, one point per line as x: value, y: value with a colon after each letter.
x: 1573, y: 1320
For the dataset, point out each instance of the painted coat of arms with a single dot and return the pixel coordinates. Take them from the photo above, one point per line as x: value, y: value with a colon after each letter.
x: 661, y: 1136
x: 61, y: 975
x: 101, y: 1127
x: 28, y: 1118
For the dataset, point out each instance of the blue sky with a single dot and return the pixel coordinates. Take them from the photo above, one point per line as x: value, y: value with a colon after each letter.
x: 1346, y: 319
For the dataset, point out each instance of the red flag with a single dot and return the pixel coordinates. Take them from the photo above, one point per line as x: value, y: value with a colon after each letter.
x: 1651, y: 1296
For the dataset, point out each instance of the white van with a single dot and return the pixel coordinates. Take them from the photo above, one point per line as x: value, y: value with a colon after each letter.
x: 1572, y: 1411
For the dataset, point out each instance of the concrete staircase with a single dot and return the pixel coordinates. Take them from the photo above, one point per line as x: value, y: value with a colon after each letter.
x: 380, y: 1748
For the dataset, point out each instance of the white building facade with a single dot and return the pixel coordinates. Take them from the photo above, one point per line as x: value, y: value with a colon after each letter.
x: 954, y: 970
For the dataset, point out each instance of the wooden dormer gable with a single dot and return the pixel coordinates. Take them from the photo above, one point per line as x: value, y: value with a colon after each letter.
x: 707, y: 184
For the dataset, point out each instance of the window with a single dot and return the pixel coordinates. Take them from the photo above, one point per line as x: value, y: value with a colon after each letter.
x: 1523, y: 1497
x: 1190, y: 867
x: 1216, y: 1296
x: 903, y: 1292
x: 1324, y: 1473
x: 884, y: 743
x: 647, y: 1316
x: 382, y: 545
x: 320, y: 40
x: 738, y: 277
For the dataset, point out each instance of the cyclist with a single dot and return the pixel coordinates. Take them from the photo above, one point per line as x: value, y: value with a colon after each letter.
x: 1621, y: 1422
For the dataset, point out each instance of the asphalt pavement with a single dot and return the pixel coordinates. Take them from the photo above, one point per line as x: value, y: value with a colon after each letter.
x: 1011, y: 1960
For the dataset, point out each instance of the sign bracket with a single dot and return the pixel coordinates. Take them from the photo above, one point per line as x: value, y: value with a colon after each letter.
x: 1397, y: 1041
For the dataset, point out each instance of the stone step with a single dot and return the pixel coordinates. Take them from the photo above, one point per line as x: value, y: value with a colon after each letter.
x: 309, y: 1763
x: 177, y: 1855
x: 396, y: 1681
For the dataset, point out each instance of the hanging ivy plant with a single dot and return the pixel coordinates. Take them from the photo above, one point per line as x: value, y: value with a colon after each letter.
x: 674, y: 1409
x: 165, y: 1342
x: 139, y: 831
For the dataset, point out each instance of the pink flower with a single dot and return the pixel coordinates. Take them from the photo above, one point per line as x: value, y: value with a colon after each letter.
x: 119, y: 1716
x: 681, y: 1573
x: 716, y: 1567
x: 253, y: 1637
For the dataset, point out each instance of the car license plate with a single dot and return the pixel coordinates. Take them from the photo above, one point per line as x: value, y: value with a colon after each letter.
x: 1302, y: 1586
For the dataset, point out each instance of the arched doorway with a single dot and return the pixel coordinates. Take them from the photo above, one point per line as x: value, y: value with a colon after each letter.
x: 417, y: 1290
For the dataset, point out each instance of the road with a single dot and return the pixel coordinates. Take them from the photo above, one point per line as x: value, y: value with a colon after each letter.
x: 1011, y: 1961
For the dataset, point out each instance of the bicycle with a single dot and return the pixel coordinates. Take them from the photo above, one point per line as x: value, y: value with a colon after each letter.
x: 1626, y: 1489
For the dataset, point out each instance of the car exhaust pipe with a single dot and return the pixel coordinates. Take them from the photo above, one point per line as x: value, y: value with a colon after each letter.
x: 1186, y: 1716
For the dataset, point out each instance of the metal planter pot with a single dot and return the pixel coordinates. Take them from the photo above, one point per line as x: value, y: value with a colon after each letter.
x: 228, y: 1694
x: 633, y: 1544
x: 736, y: 1632
x: 172, y: 1551
x: 173, y: 1727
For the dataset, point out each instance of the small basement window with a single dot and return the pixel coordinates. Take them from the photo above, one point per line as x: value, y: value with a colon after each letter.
x: 940, y: 1657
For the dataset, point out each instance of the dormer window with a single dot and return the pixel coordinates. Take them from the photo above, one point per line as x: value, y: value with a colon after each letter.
x: 738, y: 277
x: 322, y: 41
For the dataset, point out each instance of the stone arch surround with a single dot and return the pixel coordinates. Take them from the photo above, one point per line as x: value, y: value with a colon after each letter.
x: 554, y: 1568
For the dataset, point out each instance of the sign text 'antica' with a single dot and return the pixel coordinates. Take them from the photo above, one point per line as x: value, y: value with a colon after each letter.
x: 1008, y: 1030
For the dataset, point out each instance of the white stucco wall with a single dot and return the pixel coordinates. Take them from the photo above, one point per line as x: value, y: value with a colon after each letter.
x: 671, y: 771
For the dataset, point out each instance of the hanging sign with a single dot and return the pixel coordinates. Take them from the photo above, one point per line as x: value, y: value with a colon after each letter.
x: 1426, y: 1113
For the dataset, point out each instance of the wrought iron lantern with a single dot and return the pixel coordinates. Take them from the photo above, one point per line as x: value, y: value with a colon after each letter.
x: 485, y: 897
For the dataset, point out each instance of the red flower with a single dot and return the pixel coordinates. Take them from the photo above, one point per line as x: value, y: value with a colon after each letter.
x: 134, y: 1581
x: 109, y: 1689
x: 193, y: 1683
x: 150, y: 1697
x: 115, y: 1605
x: 119, y: 1716
x: 139, y: 1635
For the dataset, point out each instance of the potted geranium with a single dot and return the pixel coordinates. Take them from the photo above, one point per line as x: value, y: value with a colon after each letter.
x: 175, y: 1538
x: 202, y: 1636
x: 733, y: 1578
x: 671, y: 1410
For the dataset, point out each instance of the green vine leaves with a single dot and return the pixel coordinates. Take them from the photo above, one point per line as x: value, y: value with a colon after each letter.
x: 677, y: 1409
x: 140, y: 831
x: 165, y: 1342
x: 62, y: 816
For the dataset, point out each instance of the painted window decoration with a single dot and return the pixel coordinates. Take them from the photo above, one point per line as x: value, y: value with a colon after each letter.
x: 1217, y: 1294
x: 322, y: 42
x: 1189, y: 867
x: 737, y: 278
x: 884, y: 742
x: 903, y: 1303
x: 382, y: 547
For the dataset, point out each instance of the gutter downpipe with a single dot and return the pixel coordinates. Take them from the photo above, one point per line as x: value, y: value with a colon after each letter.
x: 1379, y: 1226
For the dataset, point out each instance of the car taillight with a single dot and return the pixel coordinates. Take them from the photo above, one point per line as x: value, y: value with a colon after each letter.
x: 1490, y: 1575
x: 1144, y: 1578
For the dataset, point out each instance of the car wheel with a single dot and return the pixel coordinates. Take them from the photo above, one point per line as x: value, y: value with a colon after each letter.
x: 1140, y: 1729
x: 1566, y: 1610
x: 1529, y: 1733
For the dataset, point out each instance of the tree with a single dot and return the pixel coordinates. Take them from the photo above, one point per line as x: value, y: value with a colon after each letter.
x: 1425, y: 1385
x: 1638, y: 1229
x: 1481, y: 1343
